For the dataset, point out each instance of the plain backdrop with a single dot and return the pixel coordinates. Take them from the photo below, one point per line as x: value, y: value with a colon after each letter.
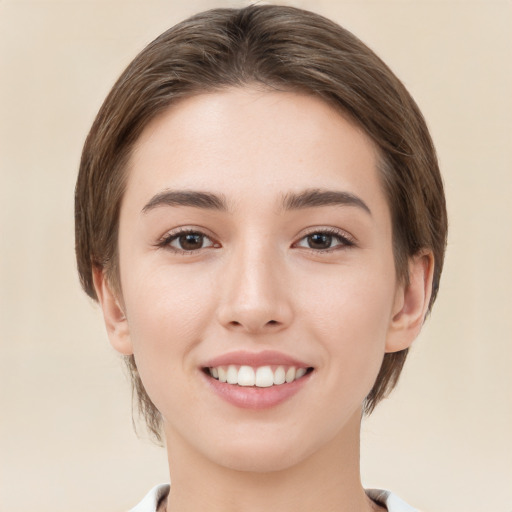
x: 442, y: 441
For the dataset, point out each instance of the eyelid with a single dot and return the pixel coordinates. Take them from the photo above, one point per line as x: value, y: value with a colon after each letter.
x: 345, y: 238
x: 164, y: 242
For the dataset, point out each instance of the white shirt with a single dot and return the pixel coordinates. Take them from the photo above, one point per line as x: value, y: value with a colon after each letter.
x: 389, y: 500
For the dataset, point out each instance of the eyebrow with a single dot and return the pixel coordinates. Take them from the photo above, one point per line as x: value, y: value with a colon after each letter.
x: 308, y: 198
x: 205, y: 200
x: 316, y: 197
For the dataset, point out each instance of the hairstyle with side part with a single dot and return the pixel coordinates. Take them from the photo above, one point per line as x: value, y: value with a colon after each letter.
x: 275, y: 48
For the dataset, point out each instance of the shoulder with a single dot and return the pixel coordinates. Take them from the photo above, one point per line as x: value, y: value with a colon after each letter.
x: 152, y: 499
x: 392, y: 502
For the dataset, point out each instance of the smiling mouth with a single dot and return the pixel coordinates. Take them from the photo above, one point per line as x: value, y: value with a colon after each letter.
x: 259, y: 377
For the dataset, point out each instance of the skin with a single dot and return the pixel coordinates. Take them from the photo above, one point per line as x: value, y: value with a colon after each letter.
x: 256, y: 284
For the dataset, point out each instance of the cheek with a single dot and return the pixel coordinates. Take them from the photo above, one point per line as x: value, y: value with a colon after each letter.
x: 350, y: 314
x: 166, y: 301
x: 167, y: 312
x: 350, y: 300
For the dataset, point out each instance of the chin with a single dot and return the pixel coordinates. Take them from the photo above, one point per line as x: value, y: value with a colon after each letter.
x: 261, y: 456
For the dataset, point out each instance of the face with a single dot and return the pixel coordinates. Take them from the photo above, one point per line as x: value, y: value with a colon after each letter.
x: 255, y: 246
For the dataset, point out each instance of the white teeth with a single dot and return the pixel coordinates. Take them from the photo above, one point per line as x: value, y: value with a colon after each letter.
x: 279, y: 376
x: 300, y: 373
x: 264, y: 377
x: 246, y: 376
x: 290, y: 374
x: 261, y: 377
x: 232, y: 375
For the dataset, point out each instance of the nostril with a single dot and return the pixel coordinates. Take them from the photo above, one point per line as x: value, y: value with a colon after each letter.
x: 254, y: 322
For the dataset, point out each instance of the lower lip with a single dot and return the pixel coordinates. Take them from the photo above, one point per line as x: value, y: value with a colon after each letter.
x: 254, y: 397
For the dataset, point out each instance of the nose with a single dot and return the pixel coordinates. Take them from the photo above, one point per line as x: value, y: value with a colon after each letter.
x: 255, y: 297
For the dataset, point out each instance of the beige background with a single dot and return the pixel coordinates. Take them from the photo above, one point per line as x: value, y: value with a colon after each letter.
x: 442, y: 442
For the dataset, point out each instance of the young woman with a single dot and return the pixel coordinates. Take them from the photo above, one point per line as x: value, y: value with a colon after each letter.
x: 260, y: 214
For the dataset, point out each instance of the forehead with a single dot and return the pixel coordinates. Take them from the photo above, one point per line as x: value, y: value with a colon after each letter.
x: 244, y: 140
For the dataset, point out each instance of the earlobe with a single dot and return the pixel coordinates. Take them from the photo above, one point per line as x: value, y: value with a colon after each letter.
x: 411, y: 303
x: 113, y: 314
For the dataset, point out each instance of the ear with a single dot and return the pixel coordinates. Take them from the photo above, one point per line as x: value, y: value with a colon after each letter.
x: 113, y: 314
x: 411, y: 303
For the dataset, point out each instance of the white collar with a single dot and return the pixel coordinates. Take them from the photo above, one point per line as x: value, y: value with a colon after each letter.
x: 392, y: 502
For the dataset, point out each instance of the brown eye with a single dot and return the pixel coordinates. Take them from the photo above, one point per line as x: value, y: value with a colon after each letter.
x: 325, y: 241
x: 319, y: 241
x: 189, y: 241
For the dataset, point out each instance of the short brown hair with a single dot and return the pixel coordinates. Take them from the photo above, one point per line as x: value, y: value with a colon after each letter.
x: 279, y: 48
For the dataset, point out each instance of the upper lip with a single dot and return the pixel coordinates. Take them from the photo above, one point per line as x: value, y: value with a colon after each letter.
x: 255, y: 359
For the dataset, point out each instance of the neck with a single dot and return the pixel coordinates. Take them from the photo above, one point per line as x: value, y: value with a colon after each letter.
x: 327, y: 480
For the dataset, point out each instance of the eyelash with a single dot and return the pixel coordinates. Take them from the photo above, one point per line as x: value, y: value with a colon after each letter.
x: 345, y: 240
x: 167, y: 239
